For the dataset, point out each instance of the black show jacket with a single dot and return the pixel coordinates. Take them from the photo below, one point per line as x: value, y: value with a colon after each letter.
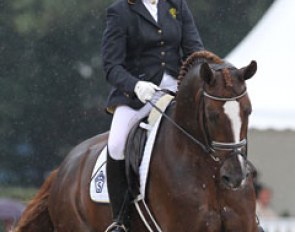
x: 136, y: 47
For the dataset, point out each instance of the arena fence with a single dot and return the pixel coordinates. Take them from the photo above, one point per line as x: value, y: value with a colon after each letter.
x: 278, y: 225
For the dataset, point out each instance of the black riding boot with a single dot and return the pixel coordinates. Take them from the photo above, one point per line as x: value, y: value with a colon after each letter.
x: 119, y: 194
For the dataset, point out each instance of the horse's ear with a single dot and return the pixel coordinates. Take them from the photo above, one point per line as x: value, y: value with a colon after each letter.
x: 206, y: 74
x: 249, y: 71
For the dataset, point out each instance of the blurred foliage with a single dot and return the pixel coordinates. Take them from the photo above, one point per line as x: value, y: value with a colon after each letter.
x: 21, y: 194
x: 223, y: 24
x: 52, y: 86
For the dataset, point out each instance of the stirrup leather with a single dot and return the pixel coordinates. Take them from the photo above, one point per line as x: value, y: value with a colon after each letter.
x: 115, y: 225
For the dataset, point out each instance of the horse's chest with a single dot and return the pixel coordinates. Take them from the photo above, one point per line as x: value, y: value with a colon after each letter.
x: 210, y: 221
x: 219, y: 220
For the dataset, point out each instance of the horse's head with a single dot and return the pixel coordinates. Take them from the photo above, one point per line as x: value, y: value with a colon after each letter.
x: 223, y: 108
x: 225, y: 117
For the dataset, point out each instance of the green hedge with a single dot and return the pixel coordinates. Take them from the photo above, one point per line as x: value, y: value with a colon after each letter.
x: 22, y: 194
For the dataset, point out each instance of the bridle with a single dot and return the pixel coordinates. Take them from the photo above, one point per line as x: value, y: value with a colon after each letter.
x: 215, y: 146
x: 212, y: 147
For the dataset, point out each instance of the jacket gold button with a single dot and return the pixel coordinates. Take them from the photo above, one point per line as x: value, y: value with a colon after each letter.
x: 160, y: 31
x: 163, y: 64
x: 162, y: 53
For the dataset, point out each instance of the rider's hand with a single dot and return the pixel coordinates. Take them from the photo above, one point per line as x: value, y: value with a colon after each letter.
x: 145, y: 90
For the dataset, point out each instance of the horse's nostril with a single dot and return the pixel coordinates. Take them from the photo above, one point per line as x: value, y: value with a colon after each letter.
x: 232, y: 181
x: 226, y: 179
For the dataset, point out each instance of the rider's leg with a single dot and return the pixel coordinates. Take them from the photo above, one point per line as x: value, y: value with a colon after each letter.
x: 119, y: 195
x: 123, y: 120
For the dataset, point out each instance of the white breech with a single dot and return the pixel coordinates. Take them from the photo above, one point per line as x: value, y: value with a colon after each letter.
x: 125, y: 118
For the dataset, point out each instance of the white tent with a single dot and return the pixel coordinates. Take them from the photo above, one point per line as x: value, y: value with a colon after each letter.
x: 272, y: 44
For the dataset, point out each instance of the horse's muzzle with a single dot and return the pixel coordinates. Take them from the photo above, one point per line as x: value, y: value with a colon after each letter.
x: 234, y: 172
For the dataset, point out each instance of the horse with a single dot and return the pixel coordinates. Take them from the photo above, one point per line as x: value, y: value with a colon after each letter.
x: 200, y: 177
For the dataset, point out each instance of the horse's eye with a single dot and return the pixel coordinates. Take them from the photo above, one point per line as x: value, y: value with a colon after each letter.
x: 248, y: 110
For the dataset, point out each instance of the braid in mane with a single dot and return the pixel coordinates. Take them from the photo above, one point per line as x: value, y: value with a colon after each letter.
x: 197, y: 56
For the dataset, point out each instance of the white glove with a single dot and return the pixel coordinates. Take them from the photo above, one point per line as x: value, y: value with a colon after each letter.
x: 145, y: 90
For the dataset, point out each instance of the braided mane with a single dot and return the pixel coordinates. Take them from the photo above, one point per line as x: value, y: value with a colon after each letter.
x: 197, y: 57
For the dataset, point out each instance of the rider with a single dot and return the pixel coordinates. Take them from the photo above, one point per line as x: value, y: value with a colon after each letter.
x: 142, y: 48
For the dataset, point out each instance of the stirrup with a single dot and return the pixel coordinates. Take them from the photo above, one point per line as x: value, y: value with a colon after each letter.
x: 115, y: 225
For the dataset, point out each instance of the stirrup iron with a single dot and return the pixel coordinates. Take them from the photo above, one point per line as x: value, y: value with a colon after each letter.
x: 116, y: 225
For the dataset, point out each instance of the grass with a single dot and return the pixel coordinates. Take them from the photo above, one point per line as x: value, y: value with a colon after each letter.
x: 18, y: 193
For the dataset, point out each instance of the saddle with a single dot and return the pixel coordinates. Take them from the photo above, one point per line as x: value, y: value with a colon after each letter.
x: 136, y: 142
x: 133, y: 156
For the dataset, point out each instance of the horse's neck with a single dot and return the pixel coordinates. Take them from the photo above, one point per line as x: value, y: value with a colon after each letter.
x: 179, y: 163
x: 188, y: 103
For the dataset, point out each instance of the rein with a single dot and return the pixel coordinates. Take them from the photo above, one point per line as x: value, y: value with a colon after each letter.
x: 204, y: 147
x: 215, y: 145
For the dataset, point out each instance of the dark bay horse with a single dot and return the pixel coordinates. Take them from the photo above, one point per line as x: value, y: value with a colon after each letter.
x: 200, y: 179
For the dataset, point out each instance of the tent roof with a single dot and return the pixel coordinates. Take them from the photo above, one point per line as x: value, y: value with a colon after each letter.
x: 272, y: 44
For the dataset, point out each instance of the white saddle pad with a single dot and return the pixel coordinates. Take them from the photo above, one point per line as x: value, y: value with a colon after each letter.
x: 98, y: 184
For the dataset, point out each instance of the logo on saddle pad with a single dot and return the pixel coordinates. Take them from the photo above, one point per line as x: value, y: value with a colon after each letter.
x: 99, y: 182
